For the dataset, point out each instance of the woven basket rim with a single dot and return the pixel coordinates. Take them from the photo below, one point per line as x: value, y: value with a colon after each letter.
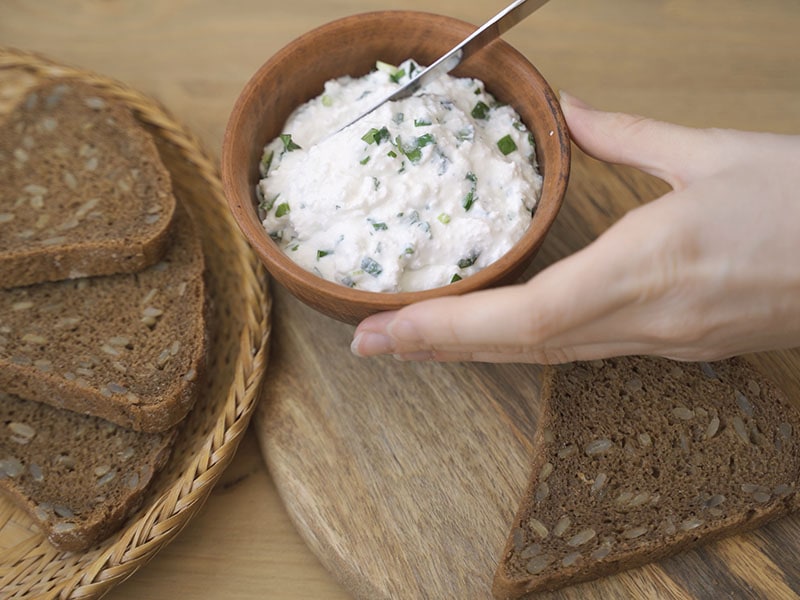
x: 168, y: 513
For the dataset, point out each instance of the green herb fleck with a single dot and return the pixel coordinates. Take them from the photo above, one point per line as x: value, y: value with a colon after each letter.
x: 266, y: 162
x: 444, y: 218
x: 480, y: 110
x: 288, y: 143
x: 468, y: 261
x: 371, y: 266
x: 506, y: 145
x: 267, y: 204
x: 396, y: 77
x: 385, y: 67
x: 425, y: 140
x: 365, y: 160
x: 391, y: 154
x: 421, y: 122
x: 283, y: 209
x: 321, y: 253
x: 380, y: 226
x: 327, y: 100
x: 414, y: 154
x: 376, y: 136
x: 472, y: 195
x: 455, y: 277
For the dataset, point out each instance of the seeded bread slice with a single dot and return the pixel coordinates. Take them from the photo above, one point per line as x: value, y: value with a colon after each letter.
x: 83, y: 190
x: 638, y: 458
x: 127, y: 348
x: 78, y: 477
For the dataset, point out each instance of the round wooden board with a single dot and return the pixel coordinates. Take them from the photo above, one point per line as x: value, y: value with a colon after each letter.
x: 404, y: 477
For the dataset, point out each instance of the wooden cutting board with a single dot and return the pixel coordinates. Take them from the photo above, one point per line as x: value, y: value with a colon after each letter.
x: 404, y: 478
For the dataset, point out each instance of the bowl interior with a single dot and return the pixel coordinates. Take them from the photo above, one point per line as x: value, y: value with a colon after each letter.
x: 351, y: 46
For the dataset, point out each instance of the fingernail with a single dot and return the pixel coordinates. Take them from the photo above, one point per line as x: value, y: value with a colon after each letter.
x: 420, y: 355
x: 568, y: 99
x: 368, y: 343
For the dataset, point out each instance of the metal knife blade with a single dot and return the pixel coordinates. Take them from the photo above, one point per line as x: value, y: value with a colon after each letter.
x: 484, y: 35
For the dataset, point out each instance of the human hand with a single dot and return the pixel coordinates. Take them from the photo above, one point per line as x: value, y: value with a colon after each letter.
x: 709, y: 270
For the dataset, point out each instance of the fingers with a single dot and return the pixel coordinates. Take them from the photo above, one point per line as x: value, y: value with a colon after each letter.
x: 513, y: 322
x: 487, y: 319
x: 676, y: 154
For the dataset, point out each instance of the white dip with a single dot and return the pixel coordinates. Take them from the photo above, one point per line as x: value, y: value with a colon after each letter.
x: 422, y: 192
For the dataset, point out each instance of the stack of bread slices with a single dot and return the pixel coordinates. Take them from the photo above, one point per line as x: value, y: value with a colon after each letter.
x: 102, y: 311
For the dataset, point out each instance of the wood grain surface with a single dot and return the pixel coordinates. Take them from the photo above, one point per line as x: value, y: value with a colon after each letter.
x: 404, y: 477
x: 722, y: 63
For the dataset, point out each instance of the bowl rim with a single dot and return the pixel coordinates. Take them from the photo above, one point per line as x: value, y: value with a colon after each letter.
x: 286, y: 271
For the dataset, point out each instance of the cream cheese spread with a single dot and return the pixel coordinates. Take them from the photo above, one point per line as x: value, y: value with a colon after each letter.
x: 422, y: 192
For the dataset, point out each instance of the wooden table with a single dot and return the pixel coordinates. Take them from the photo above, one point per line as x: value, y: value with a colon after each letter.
x: 722, y: 63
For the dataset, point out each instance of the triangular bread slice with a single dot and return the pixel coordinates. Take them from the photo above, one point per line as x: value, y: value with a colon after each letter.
x: 128, y: 348
x: 78, y: 477
x: 83, y: 190
x: 638, y: 458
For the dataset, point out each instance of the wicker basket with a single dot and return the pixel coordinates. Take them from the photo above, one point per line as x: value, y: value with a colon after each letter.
x: 239, y: 331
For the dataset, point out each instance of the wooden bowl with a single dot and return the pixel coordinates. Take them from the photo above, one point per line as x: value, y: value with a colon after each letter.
x: 351, y: 46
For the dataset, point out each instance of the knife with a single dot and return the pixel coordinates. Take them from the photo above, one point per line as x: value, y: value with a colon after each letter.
x: 484, y: 35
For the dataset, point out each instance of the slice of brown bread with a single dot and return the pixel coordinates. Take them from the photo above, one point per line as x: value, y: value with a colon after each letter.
x: 638, y: 458
x: 78, y: 477
x: 128, y: 348
x: 83, y: 190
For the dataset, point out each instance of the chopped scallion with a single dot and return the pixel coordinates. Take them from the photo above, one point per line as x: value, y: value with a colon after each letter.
x: 283, y: 209
x: 371, y: 266
x: 480, y: 110
x: 468, y: 261
x: 421, y: 122
x: 267, y: 204
x: 472, y: 194
x: 444, y: 218
x: 425, y: 140
x: 506, y: 145
x: 321, y: 253
x: 376, y: 136
x: 380, y: 226
x: 288, y: 143
x: 455, y: 277
x: 266, y: 162
x: 414, y: 154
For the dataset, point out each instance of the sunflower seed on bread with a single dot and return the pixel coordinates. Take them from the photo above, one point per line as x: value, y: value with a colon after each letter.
x: 666, y: 455
x: 128, y: 348
x: 83, y: 191
x: 78, y: 477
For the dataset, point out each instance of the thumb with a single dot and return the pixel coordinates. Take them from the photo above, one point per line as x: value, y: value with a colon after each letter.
x: 676, y: 154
